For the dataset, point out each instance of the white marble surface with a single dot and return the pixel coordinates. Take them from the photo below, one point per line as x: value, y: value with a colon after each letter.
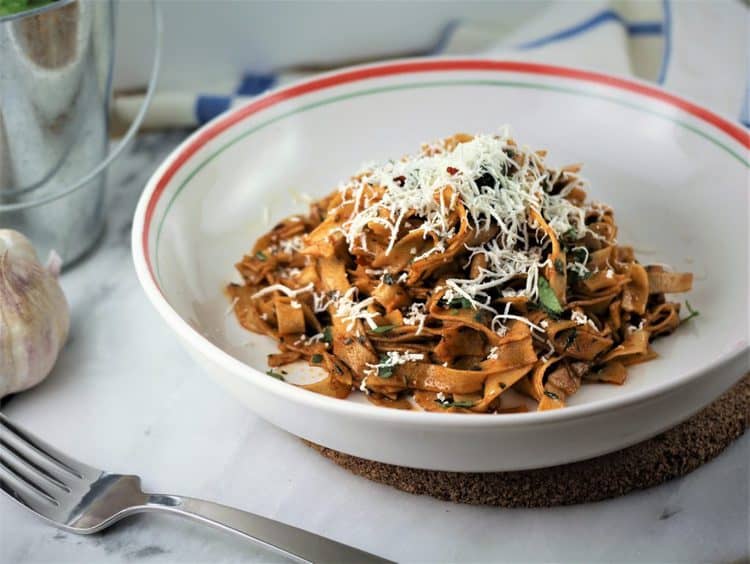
x: 125, y: 397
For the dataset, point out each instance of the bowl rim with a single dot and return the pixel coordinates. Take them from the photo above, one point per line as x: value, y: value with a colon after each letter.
x: 181, y: 155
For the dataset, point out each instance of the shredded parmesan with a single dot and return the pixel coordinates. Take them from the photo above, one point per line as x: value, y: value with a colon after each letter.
x: 321, y: 302
x: 393, y: 358
x: 416, y: 316
x: 363, y: 386
x: 579, y: 317
x: 284, y: 290
x: 349, y: 310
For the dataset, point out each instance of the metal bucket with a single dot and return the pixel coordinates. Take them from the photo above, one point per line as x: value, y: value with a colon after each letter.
x: 56, y: 65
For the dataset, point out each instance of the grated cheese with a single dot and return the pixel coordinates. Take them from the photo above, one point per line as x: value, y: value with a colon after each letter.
x: 321, y: 302
x: 579, y: 317
x: 485, y: 177
x: 393, y: 358
x: 309, y: 340
x: 363, y: 386
x: 416, y: 316
x: 349, y: 310
x: 284, y: 290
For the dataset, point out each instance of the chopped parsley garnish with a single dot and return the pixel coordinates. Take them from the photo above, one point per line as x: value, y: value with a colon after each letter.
x: 274, y: 375
x: 547, y: 298
x: 575, y: 275
x: 571, y: 234
x: 317, y: 358
x: 453, y: 403
x: 384, y: 370
x: 551, y: 395
x: 580, y: 255
x: 455, y: 303
x: 693, y: 312
x: 387, y: 278
x: 327, y: 335
x: 559, y: 267
x: 260, y: 255
x: 383, y: 329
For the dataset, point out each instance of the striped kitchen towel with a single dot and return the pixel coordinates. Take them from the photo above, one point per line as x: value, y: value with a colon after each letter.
x: 696, y: 49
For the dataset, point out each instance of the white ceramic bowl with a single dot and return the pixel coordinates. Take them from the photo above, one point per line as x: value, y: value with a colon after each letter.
x: 675, y: 173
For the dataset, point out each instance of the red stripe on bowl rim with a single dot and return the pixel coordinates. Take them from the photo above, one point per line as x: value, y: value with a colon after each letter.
x: 435, y: 65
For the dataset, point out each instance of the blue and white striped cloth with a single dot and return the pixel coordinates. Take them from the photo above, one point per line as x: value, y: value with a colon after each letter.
x: 700, y: 50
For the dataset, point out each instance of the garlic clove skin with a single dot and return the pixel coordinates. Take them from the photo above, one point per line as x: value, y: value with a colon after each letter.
x: 34, y: 315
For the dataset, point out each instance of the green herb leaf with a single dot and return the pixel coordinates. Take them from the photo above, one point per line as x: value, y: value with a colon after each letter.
x: 452, y: 403
x: 260, y: 255
x: 275, y: 375
x: 317, y: 358
x: 8, y: 7
x: 547, y: 298
x: 579, y: 255
x: 551, y: 395
x: 387, y: 278
x: 383, y: 329
x: 385, y: 371
x: 693, y: 312
x: 459, y: 303
x: 327, y: 336
x: 559, y: 268
x: 571, y: 234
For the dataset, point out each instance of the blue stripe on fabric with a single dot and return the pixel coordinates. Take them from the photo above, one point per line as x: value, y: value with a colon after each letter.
x: 745, y: 112
x: 208, y: 107
x: 253, y: 84
x: 667, y: 53
x: 632, y: 28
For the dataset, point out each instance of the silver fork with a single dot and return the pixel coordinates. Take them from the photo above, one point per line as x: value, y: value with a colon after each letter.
x: 82, y: 499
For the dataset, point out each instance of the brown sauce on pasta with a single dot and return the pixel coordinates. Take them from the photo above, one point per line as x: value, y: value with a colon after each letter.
x: 446, y: 279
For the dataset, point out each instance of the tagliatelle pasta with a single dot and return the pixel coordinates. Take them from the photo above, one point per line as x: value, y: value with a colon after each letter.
x: 445, y: 279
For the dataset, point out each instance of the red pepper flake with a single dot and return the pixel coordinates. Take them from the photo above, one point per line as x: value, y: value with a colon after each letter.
x: 451, y: 170
x: 400, y: 180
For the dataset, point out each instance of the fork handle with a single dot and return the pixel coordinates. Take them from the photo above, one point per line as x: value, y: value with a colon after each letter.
x: 289, y: 541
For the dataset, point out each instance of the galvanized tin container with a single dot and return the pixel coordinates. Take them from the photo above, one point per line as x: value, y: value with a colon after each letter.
x: 55, y: 84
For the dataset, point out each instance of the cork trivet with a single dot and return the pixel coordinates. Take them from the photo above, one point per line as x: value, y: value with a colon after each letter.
x: 672, y: 454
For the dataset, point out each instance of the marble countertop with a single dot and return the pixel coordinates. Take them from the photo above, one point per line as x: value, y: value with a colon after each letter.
x: 125, y: 396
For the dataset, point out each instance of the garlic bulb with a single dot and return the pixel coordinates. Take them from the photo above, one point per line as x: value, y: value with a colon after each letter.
x: 34, y: 315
